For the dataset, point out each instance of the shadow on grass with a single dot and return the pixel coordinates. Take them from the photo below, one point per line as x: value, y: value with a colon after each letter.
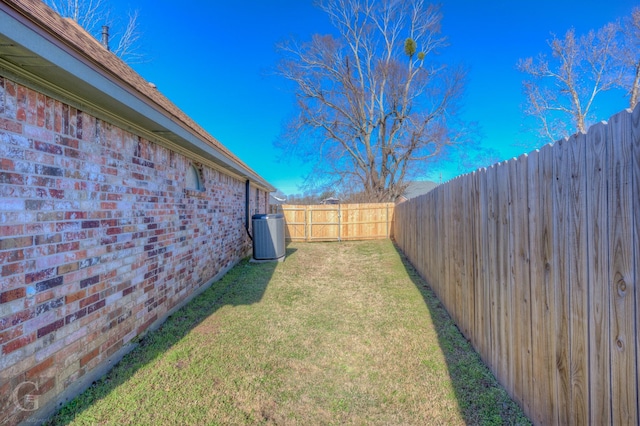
x: 482, y: 400
x: 244, y: 284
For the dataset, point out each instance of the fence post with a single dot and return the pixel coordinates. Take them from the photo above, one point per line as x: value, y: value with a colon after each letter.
x: 308, y: 227
x: 388, y: 221
x: 339, y: 222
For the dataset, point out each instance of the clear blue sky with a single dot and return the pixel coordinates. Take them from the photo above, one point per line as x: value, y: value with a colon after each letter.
x: 214, y: 60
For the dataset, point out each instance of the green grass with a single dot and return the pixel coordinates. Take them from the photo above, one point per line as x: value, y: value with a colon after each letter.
x: 339, y: 333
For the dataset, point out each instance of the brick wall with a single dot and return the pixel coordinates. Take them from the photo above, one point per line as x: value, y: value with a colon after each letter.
x: 99, y: 239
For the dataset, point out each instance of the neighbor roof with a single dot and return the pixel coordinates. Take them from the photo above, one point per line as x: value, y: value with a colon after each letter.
x: 39, y: 45
x: 417, y: 188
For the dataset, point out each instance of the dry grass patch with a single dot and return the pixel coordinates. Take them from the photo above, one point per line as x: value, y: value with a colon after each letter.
x: 340, y: 333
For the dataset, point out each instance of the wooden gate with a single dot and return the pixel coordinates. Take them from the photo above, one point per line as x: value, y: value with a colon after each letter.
x: 338, y: 222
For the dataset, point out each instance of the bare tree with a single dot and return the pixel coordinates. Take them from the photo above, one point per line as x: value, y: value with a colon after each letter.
x: 562, y: 89
x: 92, y: 15
x: 630, y: 56
x: 373, y: 105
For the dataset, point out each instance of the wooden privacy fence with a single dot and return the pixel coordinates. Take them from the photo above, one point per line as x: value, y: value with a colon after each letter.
x: 338, y: 222
x: 538, y: 260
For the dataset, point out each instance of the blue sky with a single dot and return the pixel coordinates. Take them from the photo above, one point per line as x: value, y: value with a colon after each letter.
x: 214, y: 60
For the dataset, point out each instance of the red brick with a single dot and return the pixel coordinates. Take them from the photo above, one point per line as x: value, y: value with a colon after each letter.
x: 40, y: 275
x: 108, y: 206
x: 75, y: 215
x: 7, y: 164
x: 2, y: 92
x: 17, y: 318
x: 65, y: 247
x: 48, y: 113
x: 48, y: 284
x: 73, y: 297
x: 50, y: 328
x: 69, y: 267
x: 79, y: 124
x: 21, y: 113
x: 90, y: 281
x: 10, y: 334
x: 11, y: 256
x: 11, y: 230
x: 65, y: 119
x: 44, y: 296
x: 48, y: 170
x: 109, y: 171
x: 11, y: 178
x: 40, y: 103
x: 51, y: 304
x: 114, y: 348
x: 92, y: 261
x: 97, y: 288
x: 73, y: 121
x: 109, y: 274
x: 75, y: 316
x: 114, y: 231
x: 76, y: 254
x: 89, y: 300
x: 88, y: 357
x: 72, y: 153
x: 35, y: 371
x: 11, y: 295
x: 47, y: 147
x: 18, y: 242
x: 50, y: 216
x: 32, y: 109
x: 12, y: 269
x: 90, y: 224
x: 48, y: 239
x: 47, y: 386
x: 96, y: 306
x: 18, y: 343
x: 10, y: 125
x: 146, y: 325
x: 57, y: 118
x: 56, y: 194
x: 114, y: 314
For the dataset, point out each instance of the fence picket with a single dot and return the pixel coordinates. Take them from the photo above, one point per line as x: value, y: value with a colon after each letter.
x: 522, y: 308
x: 621, y: 274
x: 505, y: 324
x: 477, y: 266
x: 577, y: 241
x: 561, y: 279
x: 513, y: 325
x: 598, y: 251
x: 635, y: 141
x: 540, y: 172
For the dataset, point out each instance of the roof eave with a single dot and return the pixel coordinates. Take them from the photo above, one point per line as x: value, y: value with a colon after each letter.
x: 35, y: 53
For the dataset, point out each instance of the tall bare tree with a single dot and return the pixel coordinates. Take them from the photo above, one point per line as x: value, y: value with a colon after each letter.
x: 373, y: 104
x: 630, y: 56
x: 92, y: 15
x: 562, y: 88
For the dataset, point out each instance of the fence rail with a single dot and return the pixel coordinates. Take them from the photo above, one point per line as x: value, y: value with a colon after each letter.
x: 338, y: 222
x: 538, y: 261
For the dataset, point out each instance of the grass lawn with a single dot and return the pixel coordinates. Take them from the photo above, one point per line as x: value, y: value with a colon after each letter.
x: 339, y: 333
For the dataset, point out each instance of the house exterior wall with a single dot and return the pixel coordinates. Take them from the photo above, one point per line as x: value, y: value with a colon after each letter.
x: 99, y: 240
